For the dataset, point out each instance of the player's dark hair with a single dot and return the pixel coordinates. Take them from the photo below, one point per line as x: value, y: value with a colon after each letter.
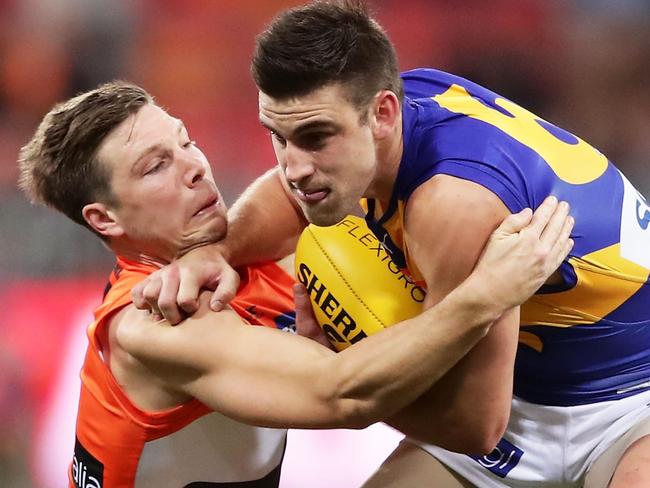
x: 308, y: 47
x: 59, y: 165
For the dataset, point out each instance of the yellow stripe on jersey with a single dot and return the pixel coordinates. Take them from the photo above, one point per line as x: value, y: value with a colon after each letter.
x: 605, y: 280
x: 531, y: 340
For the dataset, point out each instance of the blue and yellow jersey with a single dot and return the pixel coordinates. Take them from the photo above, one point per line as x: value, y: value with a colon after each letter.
x: 589, y: 339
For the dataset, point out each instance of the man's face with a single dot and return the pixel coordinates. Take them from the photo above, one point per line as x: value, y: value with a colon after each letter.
x: 327, y: 153
x: 168, y: 202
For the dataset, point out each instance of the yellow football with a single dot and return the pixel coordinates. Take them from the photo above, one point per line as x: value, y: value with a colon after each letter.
x: 354, y: 287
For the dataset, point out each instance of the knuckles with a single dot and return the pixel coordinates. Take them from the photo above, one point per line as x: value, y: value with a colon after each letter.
x: 166, y: 305
x: 188, y: 305
x: 150, y: 295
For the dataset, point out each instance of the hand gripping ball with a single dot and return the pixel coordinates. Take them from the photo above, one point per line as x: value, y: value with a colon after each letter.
x: 354, y: 287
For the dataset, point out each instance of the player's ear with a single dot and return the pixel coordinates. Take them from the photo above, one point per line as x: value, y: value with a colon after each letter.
x: 384, y: 114
x: 102, y: 219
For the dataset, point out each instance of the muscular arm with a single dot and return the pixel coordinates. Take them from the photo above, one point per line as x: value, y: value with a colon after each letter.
x: 264, y: 223
x: 468, y: 409
x: 265, y: 377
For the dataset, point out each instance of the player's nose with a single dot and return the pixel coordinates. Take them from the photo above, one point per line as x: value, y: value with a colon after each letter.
x: 297, y: 163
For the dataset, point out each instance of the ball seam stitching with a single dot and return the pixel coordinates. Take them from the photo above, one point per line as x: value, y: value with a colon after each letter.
x: 325, y: 253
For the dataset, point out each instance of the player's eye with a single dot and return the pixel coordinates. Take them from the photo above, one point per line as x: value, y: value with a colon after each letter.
x: 155, y: 166
x: 278, y: 137
x: 313, y: 141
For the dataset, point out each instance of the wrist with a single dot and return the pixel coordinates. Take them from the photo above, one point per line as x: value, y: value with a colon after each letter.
x: 479, y: 300
x: 220, y: 250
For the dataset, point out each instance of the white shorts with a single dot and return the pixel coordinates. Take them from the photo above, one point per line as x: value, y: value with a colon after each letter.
x: 548, y: 446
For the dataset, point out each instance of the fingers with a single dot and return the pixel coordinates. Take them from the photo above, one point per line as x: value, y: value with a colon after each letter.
x: 556, y: 225
x: 303, y: 306
x: 167, y: 294
x: 226, y: 289
x: 565, y: 252
x: 563, y: 245
x: 173, y: 291
x: 553, y: 230
x: 138, y: 297
x: 306, y: 324
x: 189, y: 288
x: 542, y: 216
x: 150, y: 294
x: 515, y: 222
x: 528, y: 254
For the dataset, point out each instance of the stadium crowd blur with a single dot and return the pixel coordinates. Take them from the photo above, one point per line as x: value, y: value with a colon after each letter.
x: 582, y: 64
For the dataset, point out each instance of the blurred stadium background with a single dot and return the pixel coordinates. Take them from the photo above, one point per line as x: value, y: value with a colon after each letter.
x: 582, y: 64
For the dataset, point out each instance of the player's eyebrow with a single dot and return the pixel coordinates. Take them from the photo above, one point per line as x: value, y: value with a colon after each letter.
x: 153, y: 148
x: 316, y: 125
x: 179, y: 125
x: 308, y: 127
x: 267, y: 126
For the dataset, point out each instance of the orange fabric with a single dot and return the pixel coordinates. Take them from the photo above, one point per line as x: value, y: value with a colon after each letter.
x: 113, y: 430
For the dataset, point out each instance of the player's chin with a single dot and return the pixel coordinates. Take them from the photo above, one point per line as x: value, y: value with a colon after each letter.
x: 324, y: 214
x: 210, y: 232
x: 218, y: 230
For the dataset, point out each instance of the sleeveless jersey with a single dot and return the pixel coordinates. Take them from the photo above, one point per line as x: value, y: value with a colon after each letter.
x: 589, y: 339
x: 120, y: 445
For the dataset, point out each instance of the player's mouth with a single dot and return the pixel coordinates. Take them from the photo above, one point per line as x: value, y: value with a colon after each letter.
x: 311, y: 196
x: 208, y: 205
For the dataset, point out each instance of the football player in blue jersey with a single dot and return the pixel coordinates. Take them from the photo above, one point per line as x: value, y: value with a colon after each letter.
x: 557, y: 393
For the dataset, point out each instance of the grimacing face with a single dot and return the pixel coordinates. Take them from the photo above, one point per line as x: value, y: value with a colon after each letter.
x: 168, y: 202
x: 327, y: 154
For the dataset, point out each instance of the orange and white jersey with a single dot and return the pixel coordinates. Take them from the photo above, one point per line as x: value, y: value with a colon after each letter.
x: 120, y: 445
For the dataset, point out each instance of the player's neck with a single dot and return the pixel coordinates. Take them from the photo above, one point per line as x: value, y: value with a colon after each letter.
x: 131, y: 253
x: 389, y: 156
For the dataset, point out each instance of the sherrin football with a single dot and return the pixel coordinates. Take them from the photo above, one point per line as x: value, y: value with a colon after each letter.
x: 354, y: 287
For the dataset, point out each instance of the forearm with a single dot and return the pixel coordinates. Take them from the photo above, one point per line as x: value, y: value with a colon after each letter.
x: 263, y: 377
x: 387, y: 371
x: 302, y: 387
x: 468, y: 409
x: 263, y: 224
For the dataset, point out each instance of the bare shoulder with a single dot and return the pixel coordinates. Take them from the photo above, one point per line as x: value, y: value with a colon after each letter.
x: 450, y: 193
x: 454, y: 205
x: 448, y: 221
x: 130, y: 327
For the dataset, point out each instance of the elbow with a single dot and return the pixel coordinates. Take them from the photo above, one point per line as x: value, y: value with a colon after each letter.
x: 473, y: 438
x: 483, y: 444
x: 475, y: 444
x: 479, y: 432
x: 481, y: 440
x: 492, y: 432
